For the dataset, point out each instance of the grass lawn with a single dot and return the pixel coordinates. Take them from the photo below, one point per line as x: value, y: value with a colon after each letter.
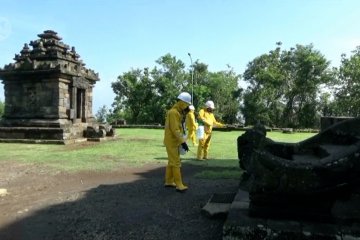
x: 133, y: 147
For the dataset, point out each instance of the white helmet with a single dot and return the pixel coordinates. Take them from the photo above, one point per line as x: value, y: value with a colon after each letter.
x: 191, y: 107
x: 210, y: 104
x: 185, y: 96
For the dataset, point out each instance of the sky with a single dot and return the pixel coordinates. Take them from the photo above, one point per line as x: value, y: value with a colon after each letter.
x: 115, y: 36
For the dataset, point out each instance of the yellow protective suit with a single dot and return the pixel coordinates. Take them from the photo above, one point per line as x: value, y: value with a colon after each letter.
x: 209, y: 121
x: 173, y: 138
x: 191, y: 126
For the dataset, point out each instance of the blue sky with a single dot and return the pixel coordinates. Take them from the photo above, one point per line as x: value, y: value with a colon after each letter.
x: 113, y: 36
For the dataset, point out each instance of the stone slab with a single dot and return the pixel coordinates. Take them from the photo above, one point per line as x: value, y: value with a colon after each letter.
x: 218, y: 205
x: 240, y: 226
x: 216, y: 209
x: 42, y: 141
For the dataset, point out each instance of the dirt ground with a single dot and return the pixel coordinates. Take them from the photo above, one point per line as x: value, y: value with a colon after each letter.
x: 127, y: 204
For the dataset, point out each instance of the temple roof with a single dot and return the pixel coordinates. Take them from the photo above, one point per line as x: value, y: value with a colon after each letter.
x: 48, y: 53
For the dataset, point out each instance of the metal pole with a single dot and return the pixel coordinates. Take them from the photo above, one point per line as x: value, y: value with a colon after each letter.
x: 192, y: 80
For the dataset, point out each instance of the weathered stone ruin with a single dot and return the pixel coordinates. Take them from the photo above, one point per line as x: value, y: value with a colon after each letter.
x: 48, y: 94
x: 327, y: 121
x: 305, y: 190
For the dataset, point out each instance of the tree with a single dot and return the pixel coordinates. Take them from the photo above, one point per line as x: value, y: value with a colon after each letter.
x: 144, y: 96
x: 306, y: 70
x: 135, y: 95
x: 2, y: 108
x: 284, y: 87
x: 347, y: 93
x: 201, y: 84
x: 326, y: 106
x: 262, y: 99
x: 221, y: 87
x: 169, y: 79
x: 253, y: 108
x: 224, y: 89
x: 102, y: 114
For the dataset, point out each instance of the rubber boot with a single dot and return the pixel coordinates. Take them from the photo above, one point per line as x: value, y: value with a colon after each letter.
x: 205, y: 156
x: 169, y: 177
x: 180, y: 187
x: 199, y: 153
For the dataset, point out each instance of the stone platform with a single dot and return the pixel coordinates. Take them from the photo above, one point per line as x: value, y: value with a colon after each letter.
x: 240, y: 226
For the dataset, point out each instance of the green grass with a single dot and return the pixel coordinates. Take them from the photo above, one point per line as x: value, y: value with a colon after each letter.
x: 289, y: 137
x: 133, y: 147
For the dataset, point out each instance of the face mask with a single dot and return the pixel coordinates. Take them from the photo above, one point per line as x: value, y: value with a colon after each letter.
x: 186, y: 110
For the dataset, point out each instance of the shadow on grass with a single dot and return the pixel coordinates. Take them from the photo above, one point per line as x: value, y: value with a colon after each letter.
x: 192, y: 159
x: 214, y: 168
x: 142, y: 209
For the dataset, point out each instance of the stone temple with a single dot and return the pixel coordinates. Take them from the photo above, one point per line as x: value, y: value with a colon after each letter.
x: 48, y: 94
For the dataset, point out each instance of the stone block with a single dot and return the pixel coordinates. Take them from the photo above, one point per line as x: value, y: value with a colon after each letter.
x: 218, y: 205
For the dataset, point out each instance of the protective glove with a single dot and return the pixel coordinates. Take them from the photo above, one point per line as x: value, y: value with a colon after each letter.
x: 185, y: 146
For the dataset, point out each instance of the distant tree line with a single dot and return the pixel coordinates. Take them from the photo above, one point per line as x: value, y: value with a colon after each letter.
x: 284, y: 88
x: 144, y: 95
x: 2, y: 108
x: 294, y: 88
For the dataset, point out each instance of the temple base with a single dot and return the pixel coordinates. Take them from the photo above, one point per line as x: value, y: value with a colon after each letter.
x: 239, y: 225
x: 58, y: 131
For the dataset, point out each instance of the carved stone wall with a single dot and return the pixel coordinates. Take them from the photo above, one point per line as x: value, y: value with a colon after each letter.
x: 32, y: 99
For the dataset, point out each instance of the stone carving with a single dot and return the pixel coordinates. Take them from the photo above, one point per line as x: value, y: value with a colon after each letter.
x: 80, y: 82
x: 99, y: 131
x: 316, y: 179
x: 94, y: 132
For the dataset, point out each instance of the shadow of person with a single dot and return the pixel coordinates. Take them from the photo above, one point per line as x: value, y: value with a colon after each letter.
x: 140, y: 209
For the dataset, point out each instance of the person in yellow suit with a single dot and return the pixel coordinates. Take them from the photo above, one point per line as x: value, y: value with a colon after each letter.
x: 174, y: 138
x: 191, y: 125
x: 206, y: 117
